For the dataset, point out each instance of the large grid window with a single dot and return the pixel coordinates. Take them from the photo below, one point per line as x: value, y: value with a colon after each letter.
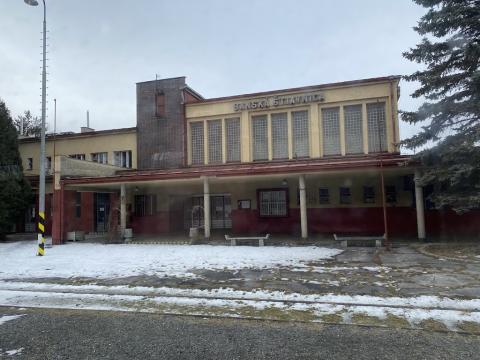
x: 331, y: 131
x: 198, y: 154
x: 368, y: 194
x: 280, y: 136
x: 145, y: 205
x: 353, y: 129
x: 273, y: 203
x: 260, y: 137
x: 300, y: 133
x: 377, y: 130
x: 232, y: 133
x: 215, y: 141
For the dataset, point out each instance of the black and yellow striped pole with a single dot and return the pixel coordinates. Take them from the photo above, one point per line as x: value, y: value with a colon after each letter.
x: 41, y: 233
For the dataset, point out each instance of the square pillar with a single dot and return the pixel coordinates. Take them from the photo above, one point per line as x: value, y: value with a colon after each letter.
x: 419, y: 206
x: 303, y: 206
x: 123, y: 210
x: 206, y: 207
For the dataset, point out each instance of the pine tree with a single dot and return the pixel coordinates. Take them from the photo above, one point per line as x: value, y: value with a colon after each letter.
x: 15, y: 193
x: 450, y: 83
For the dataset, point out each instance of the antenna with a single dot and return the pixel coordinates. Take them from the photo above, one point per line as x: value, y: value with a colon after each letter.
x: 88, y: 119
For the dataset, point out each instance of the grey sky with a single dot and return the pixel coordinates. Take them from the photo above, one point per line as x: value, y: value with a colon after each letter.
x: 100, y: 49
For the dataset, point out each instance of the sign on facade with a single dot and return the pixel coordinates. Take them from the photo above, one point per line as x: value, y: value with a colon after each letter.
x: 276, y: 101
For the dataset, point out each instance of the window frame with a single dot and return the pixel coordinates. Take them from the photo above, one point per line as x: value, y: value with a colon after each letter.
x: 129, y: 158
x: 338, y: 144
x: 294, y: 137
x: 148, y: 204
x: 287, y: 202
x: 201, y: 150
x: 342, y: 197
x: 391, y: 196
x: 29, y: 163
x: 253, y: 119
x: 95, y: 156
x: 231, y: 143
x: 369, y: 196
x: 320, y: 196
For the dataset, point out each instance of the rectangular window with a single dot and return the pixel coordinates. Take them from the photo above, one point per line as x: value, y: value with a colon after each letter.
x: 280, y: 136
x: 273, y: 203
x: 145, y: 205
x: 368, y: 195
x: 78, y: 204
x: 215, y: 147
x: 260, y: 137
x: 377, y: 130
x: 29, y: 163
x: 101, y: 157
x: 232, y: 133
x: 323, y: 196
x: 123, y: 158
x: 331, y: 131
x: 345, y: 195
x: 390, y: 194
x: 160, y: 105
x: 48, y: 163
x: 353, y: 129
x: 77, y: 156
x: 198, y: 150
x: 300, y: 134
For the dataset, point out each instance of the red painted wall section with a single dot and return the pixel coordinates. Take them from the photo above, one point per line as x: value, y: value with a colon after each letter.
x: 450, y: 224
x: 71, y: 221
x: 153, y: 224
x: 402, y: 221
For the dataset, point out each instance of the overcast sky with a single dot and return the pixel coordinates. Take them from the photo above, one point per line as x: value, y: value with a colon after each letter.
x: 98, y: 50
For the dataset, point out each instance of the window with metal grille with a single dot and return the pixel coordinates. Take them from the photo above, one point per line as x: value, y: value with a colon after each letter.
x: 78, y: 204
x: 300, y: 133
x: 101, y: 158
x: 145, y: 205
x: 160, y: 105
x: 273, y: 203
x: 215, y: 147
x: 368, y: 194
x: 331, y: 131
x: 280, y: 136
x: 260, y: 137
x: 345, y: 195
x: 390, y: 194
x: 232, y: 133
x: 123, y: 158
x: 353, y: 129
x: 323, y: 196
x: 198, y: 154
x: 377, y: 130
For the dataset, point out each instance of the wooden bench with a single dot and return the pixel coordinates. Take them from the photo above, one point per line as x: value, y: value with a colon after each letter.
x: 345, y: 239
x: 260, y: 239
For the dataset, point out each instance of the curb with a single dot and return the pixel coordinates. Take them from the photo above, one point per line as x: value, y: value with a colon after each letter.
x: 422, y: 250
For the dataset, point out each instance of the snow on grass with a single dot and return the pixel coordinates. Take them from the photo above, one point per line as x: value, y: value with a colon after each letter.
x: 5, y: 318
x: 109, y: 261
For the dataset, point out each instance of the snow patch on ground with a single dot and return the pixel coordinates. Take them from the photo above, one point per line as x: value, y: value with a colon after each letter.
x: 14, y: 352
x: 108, y: 261
x: 5, y: 318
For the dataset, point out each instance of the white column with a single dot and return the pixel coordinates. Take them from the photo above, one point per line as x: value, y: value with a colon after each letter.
x: 123, y: 210
x: 419, y: 206
x: 303, y: 206
x: 206, y: 207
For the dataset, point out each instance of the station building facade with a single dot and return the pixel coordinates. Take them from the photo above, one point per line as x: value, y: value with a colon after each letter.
x: 297, y: 162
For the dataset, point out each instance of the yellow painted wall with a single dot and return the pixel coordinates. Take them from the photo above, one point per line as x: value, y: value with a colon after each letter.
x: 80, y: 145
x: 385, y: 91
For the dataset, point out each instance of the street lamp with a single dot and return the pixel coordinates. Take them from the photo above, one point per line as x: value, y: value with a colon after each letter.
x: 41, y: 196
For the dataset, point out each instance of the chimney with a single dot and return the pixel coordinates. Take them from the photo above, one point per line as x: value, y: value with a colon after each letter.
x: 85, y: 129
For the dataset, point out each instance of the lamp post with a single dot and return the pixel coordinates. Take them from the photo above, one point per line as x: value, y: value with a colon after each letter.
x: 41, y: 196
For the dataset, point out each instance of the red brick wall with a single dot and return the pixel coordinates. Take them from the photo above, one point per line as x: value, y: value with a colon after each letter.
x: 153, y: 224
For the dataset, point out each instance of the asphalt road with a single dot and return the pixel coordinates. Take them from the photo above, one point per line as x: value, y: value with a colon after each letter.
x: 67, y: 334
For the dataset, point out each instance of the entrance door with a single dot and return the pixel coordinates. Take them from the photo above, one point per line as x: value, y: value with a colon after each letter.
x: 220, y: 211
x: 102, y: 211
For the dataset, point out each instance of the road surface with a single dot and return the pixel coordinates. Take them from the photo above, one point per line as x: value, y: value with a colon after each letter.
x: 86, y: 334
